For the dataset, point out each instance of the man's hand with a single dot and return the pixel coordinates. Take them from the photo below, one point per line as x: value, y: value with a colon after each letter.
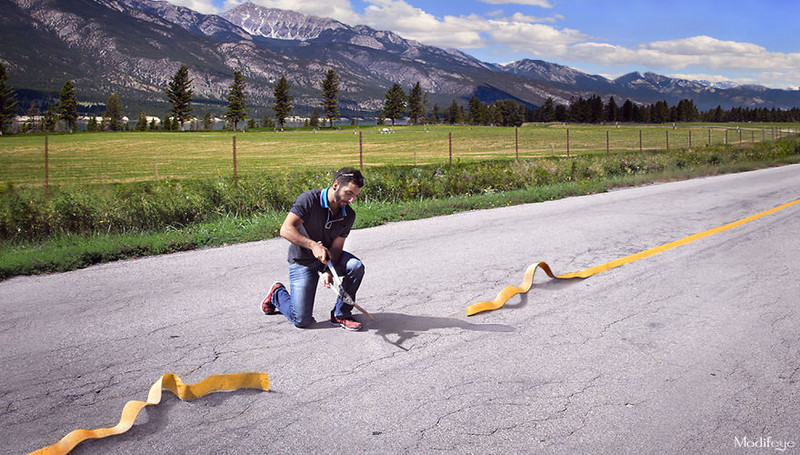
x: 320, y: 252
x: 327, y: 279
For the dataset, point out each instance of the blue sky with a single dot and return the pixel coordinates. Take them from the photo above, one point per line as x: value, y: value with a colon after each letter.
x: 746, y: 41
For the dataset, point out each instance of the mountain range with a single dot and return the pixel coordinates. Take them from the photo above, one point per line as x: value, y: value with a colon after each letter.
x: 134, y: 47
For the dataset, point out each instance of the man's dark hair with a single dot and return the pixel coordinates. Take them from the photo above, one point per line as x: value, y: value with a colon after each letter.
x: 348, y: 174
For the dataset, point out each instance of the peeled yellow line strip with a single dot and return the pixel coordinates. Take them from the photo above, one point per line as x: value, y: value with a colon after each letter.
x: 171, y: 382
x: 527, y: 283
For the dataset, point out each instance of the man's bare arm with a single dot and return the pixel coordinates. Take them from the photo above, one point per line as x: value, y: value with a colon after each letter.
x: 290, y: 232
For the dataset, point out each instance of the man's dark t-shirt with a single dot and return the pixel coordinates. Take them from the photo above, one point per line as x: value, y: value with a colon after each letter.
x: 319, y: 223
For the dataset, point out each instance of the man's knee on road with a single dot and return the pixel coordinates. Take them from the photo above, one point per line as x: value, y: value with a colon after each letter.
x: 304, y: 323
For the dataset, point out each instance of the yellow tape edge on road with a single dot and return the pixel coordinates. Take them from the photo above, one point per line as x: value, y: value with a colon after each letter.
x: 527, y: 282
x: 170, y: 382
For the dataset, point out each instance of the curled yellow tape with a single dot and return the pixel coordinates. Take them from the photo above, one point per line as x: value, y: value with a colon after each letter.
x: 527, y: 283
x: 510, y: 291
x: 171, y: 382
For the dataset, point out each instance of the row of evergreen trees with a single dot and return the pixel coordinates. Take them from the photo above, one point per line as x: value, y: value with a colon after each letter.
x: 397, y: 104
x: 594, y: 110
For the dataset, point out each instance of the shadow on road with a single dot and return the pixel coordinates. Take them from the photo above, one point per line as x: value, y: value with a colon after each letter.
x: 156, y: 419
x: 404, y: 327
x: 521, y: 300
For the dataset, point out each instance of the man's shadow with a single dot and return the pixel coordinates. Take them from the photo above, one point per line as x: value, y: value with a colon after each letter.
x: 405, y: 327
x: 398, y: 328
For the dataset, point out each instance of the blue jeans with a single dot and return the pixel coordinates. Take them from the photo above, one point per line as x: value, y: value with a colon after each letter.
x: 298, y: 307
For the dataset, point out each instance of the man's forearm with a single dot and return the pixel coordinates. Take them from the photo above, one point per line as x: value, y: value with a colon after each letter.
x: 293, y: 235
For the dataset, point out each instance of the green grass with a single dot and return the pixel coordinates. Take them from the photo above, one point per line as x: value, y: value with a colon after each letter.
x: 88, y: 158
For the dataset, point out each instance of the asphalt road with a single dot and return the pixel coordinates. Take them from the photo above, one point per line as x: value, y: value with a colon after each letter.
x: 694, y: 350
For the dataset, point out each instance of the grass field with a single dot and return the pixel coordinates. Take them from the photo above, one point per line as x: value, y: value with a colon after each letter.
x: 88, y: 158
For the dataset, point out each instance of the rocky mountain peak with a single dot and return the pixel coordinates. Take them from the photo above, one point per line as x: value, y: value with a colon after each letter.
x: 279, y: 24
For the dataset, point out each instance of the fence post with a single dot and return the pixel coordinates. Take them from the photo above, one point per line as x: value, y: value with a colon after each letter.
x: 450, y: 135
x: 690, y: 138
x: 640, y: 141
x: 516, y: 142
x: 567, y: 142
x: 608, y: 149
x: 726, y: 136
x: 235, y: 173
x: 709, y: 137
x: 361, y: 151
x: 46, y: 166
x: 667, y: 131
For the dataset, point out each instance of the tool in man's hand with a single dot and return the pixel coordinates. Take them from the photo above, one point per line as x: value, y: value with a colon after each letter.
x: 340, y: 292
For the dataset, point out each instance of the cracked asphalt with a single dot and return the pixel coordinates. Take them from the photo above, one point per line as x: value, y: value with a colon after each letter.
x: 687, y: 351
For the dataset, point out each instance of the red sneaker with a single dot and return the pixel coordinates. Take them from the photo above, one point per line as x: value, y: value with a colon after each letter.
x: 266, y: 306
x: 347, y: 323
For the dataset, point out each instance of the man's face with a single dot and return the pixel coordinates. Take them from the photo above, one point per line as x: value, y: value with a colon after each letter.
x: 344, y: 194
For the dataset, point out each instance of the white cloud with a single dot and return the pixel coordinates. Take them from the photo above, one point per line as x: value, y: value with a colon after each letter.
x: 519, y: 17
x: 466, y: 31
x: 742, y: 62
x: 699, y: 51
x: 536, y: 38
x: 414, y: 23
x: 705, y: 45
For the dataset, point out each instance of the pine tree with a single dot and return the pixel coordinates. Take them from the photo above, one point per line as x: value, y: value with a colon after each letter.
x: 92, y: 124
x: 8, y: 101
x: 686, y: 111
x: 416, y: 106
x: 208, y: 121
x: 496, y: 114
x: 237, y: 107
x: 435, y: 114
x: 452, y: 114
x: 626, y: 113
x: 50, y: 119
x: 180, y: 95
x: 283, y: 101
x: 597, y: 112
x: 330, y: 96
x: 267, y: 122
x: 475, y: 108
x: 659, y: 112
x: 612, y: 110
x: 510, y: 113
x: 546, y: 113
x: 395, y: 103
x: 112, y: 117
x: 68, y: 105
x: 314, y: 121
x: 141, y: 124
x: 561, y: 113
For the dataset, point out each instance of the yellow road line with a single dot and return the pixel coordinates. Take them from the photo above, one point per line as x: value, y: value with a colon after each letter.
x: 527, y: 283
